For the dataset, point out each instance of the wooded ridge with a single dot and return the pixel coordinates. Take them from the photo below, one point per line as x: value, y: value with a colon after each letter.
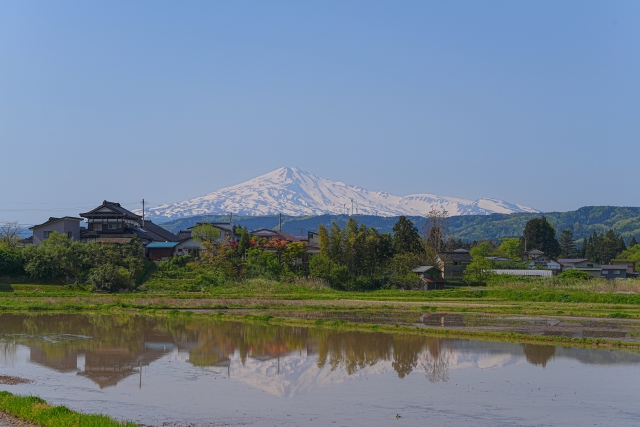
x: 582, y: 222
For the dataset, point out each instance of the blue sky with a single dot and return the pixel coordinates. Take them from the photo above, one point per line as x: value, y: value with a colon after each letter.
x: 532, y: 102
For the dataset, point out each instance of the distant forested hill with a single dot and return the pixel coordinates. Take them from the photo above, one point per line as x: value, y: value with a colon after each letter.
x: 583, y: 222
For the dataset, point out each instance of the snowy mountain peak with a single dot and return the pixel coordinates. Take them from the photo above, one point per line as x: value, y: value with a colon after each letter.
x: 292, y: 191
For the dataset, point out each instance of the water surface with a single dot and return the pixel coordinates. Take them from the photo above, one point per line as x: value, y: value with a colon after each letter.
x: 200, y: 371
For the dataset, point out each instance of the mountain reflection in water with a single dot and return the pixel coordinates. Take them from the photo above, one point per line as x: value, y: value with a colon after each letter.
x: 116, y: 347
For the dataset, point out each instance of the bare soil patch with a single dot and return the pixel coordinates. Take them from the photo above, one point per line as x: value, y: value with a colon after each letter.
x: 7, y: 420
x: 8, y: 380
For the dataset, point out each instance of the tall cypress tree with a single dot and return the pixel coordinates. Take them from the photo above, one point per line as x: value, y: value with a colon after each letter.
x: 583, y: 248
x: 406, y: 238
x: 632, y: 242
x: 567, y: 247
x: 591, y: 249
x: 539, y: 234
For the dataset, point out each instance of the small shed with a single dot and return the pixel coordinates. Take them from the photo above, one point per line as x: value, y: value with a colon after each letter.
x: 160, y: 250
x: 431, y: 276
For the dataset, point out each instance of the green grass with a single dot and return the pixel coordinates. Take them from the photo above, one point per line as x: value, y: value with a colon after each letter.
x: 38, y: 411
x: 594, y: 298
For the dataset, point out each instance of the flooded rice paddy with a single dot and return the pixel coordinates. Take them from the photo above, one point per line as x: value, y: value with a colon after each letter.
x: 202, y: 371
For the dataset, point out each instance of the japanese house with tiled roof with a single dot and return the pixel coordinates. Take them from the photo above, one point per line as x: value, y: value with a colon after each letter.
x: 110, y: 222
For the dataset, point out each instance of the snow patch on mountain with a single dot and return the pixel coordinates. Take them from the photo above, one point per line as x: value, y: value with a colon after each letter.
x: 294, y: 192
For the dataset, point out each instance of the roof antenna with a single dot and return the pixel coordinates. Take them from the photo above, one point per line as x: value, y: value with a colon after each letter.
x: 142, y: 213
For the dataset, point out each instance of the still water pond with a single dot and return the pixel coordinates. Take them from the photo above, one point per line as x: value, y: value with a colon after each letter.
x: 200, y: 371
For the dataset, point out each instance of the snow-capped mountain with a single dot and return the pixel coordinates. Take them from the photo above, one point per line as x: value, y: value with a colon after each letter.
x: 294, y: 192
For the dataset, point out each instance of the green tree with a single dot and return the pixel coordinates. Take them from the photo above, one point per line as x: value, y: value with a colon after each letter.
x: 567, y: 246
x: 539, y: 234
x: 632, y: 253
x: 57, y: 257
x: 109, y: 278
x: 402, y: 275
x: 205, y: 233
x: 632, y: 242
x: 11, y: 262
x: 263, y: 263
x: 336, y: 244
x: 478, y: 271
x: 574, y: 274
x: 603, y: 248
x: 510, y: 248
x: 245, y: 242
x: 406, y: 238
x: 323, y: 238
x: 482, y: 250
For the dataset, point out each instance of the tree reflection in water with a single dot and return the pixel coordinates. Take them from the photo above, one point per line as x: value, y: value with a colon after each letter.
x: 539, y: 354
x: 116, y: 347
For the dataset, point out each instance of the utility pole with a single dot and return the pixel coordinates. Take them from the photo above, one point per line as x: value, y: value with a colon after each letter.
x: 233, y: 234
x: 352, y: 207
x: 280, y: 222
x: 142, y: 213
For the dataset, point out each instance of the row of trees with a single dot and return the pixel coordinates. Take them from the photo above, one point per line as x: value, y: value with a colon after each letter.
x: 360, y: 257
x: 107, y: 266
x: 602, y: 248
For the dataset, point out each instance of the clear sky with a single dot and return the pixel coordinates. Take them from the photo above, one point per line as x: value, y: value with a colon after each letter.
x: 534, y: 102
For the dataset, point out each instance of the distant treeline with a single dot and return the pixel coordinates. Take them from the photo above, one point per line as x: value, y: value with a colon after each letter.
x: 582, y: 222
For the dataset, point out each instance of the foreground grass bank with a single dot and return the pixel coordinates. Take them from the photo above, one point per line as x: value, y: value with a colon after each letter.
x: 36, y: 410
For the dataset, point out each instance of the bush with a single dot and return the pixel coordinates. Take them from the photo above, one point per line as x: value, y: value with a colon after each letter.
x: 210, y: 278
x: 574, y: 275
x: 109, y: 278
x: 11, y: 262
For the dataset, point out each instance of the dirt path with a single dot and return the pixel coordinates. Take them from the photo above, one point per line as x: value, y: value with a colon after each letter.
x: 7, y: 420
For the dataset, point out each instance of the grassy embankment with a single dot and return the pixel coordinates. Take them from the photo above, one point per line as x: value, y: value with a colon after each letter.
x: 593, y: 298
x: 38, y: 411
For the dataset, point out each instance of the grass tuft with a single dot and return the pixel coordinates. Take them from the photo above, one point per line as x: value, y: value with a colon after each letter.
x: 36, y: 410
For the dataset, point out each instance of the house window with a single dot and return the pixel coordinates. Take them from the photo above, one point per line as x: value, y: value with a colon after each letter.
x: 113, y: 226
x: 605, y: 272
x: 97, y: 227
x: 589, y: 265
x: 616, y: 271
x: 46, y: 234
x: 70, y: 234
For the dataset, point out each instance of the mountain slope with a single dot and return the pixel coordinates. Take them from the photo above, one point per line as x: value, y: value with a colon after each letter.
x: 583, y: 222
x: 291, y: 191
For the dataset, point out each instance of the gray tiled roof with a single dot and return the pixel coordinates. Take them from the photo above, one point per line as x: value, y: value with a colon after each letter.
x: 164, y: 233
x: 115, y: 207
x: 456, y: 256
x: 54, y: 219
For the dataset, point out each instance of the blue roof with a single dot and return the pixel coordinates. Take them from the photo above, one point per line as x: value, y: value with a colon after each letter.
x: 162, y: 244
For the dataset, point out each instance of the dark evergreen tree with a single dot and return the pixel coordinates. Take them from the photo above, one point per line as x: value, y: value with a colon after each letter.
x: 583, y: 248
x: 539, y: 234
x: 567, y: 247
x: 603, y: 248
x: 632, y: 242
x: 406, y: 238
x: 245, y: 242
x: 591, y: 248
